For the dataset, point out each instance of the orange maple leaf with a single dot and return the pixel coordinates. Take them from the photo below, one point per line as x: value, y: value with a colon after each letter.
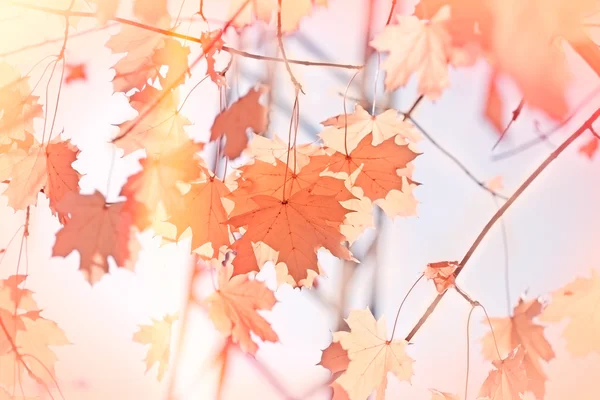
x: 508, y: 380
x: 537, y: 24
x: 372, y: 355
x: 159, y: 130
x: 442, y: 274
x: 262, y: 178
x: 157, y: 183
x: 137, y: 67
x: 174, y: 55
x: 48, y: 168
x: 520, y: 330
x: 291, y: 12
x: 578, y: 302
x: 246, y: 113
x: 378, y: 166
x: 360, y: 124
x: 233, y: 309
x: 296, y: 227
x: 18, y: 107
x: 158, y: 336
x: 203, y: 211
x: 62, y: 177
x: 335, y: 358
x: 97, y: 230
x: 212, y: 43
x: 26, y: 337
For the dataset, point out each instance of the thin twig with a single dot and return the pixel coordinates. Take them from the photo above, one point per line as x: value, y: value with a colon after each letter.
x: 588, y: 123
x: 20, y: 358
x: 468, y: 352
x: 402, y: 303
x: 55, y: 40
x: 542, y: 138
x: 456, y: 161
x: 290, y: 60
x: 189, y: 38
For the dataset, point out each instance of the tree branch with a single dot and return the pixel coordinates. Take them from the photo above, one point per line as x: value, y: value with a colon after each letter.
x: 586, y: 125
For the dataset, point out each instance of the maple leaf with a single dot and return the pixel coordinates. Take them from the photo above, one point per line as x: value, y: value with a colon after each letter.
x: 158, y: 336
x: 442, y: 275
x: 262, y: 178
x: 371, y: 356
x: 520, y: 330
x: 96, y: 230
x: 578, y: 301
x: 296, y: 228
x: 203, y: 211
x: 246, y: 113
x: 520, y: 39
x: 137, y: 67
x: 75, y: 72
x: 157, y: 183
x: 589, y: 148
x: 212, y: 43
x: 48, y: 168
x: 416, y: 46
x: 28, y: 177
x: 437, y: 395
x: 175, y: 56
x: 358, y: 221
x: 159, y: 130
x: 291, y: 12
x: 338, y: 392
x: 508, y: 381
x: 335, y: 358
x: 233, y: 309
x: 360, y: 123
x: 33, y: 336
x: 378, y: 165
x: 18, y: 107
x: 251, y: 257
x: 62, y: 177
x: 269, y: 150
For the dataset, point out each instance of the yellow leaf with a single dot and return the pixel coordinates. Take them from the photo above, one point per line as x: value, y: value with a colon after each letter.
x: 158, y: 336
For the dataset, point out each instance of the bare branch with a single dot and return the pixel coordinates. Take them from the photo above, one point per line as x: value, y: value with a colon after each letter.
x: 586, y: 125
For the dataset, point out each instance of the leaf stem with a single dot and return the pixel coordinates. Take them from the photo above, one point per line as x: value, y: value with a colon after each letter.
x: 282, y: 49
x: 402, y: 303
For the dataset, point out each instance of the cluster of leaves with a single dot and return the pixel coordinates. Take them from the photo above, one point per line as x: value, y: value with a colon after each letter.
x: 283, y: 202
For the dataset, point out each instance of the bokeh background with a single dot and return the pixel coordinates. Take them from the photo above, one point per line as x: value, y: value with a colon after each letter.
x: 552, y: 230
